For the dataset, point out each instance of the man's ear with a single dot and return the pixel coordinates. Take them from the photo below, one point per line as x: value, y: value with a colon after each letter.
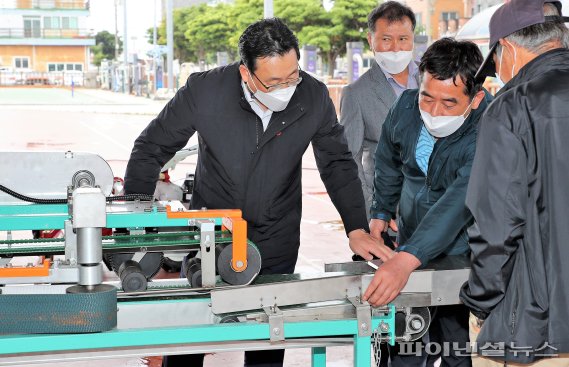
x: 369, y: 35
x: 244, y: 73
x: 478, y: 99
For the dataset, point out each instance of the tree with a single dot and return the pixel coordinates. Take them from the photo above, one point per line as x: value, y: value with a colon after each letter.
x: 200, y: 31
x: 209, y: 33
x: 183, y: 50
x: 345, y: 22
x: 243, y: 13
x: 104, y: 47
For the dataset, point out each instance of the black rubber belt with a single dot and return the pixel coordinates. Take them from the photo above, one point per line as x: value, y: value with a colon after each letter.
x: 58, y: 313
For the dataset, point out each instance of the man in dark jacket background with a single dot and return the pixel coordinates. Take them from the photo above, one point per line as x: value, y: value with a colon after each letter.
x: 255, y: 120
x: 423, y: 164
x: 518, y: 192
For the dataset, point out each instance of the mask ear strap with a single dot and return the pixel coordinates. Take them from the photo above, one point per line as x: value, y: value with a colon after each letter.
x: 252, y: 80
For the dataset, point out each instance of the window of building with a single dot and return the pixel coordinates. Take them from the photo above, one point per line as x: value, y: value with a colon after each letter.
x: 21, y: 62
x: 52, y: 22
x: 69, y: 22
x: 449, y: 15
x: 32, y: 28
x: 61, y: 66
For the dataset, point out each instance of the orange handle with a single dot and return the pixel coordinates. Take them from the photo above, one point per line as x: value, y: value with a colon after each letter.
x: 208, y: 213
x: 28, y: 272
x: 232, y: 219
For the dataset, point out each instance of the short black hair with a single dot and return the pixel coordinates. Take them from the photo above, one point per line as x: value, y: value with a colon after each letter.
x: 448, y: 58
x: 393, y: 11
x: 266, y: 38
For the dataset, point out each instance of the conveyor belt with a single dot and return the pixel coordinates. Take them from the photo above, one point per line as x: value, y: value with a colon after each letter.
x: 146, y: 242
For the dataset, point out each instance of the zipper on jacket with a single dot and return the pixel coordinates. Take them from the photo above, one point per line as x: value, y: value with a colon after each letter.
x: 257, y: 123
x: 428, y: 181
x: 514, y: 314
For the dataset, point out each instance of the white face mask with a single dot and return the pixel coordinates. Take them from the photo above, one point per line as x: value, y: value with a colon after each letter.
x: 393, y: 62
x: 275, y: 101
x: 443, y: 126
x: 499, y: 79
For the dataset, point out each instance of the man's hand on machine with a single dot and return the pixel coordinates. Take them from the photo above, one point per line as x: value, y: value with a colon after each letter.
x: 376, y: 226
x: 363, y: 244
x: 390, y: 279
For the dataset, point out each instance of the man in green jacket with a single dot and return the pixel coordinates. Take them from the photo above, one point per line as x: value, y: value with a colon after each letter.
x: 422, y: 167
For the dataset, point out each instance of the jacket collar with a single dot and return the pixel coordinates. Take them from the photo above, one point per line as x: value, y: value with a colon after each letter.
x: 551, y: 60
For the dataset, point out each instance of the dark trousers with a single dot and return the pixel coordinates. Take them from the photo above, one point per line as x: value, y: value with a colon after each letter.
x: 449, y: 329
x: 261, y: 358
x: 449, y: 325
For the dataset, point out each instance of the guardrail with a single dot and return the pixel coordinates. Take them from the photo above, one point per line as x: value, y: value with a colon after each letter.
x: 45, y: 33
x: 31, y: 78
x: 45, y: 4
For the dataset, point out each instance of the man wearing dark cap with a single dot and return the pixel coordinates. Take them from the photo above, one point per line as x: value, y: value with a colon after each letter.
x: 519, y: 287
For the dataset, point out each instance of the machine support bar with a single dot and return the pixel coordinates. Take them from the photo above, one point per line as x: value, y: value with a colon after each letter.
x: 276, y: 323
x: 363, y: 314
x: 207, y: 247
x: 319, y: 357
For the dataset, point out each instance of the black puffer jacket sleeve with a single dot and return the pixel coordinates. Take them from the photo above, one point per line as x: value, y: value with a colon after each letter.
x: 157, y: 144
x: 338, y: 169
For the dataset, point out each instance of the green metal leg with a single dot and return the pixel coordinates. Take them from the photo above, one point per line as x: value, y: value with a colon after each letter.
x: 362, y: 351
x: 319, y: 357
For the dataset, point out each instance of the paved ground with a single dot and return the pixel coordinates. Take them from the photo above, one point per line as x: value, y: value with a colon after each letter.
x: 107, y: 123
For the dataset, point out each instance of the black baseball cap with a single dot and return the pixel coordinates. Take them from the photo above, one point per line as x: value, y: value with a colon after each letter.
x: 511, y: 17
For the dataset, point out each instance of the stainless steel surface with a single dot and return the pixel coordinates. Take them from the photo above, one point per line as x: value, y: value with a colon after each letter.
x: 446, y: 286
x: 287, y: 293
x: 354, y: 267
x: 90, y: 275
x: 442, y: 287
x: 89, y: 255
x: 276, y: 323
x: 99, y: 354
x: 89, y: 208
x: 412, y: 300
x: 34, y: 289
x: 363, y: 314
x: 311, y: 312
x: 207, y: 246
x: 137, y: 315
x: 70, y: 243
x: 46, y: 175
x: 89, y: 245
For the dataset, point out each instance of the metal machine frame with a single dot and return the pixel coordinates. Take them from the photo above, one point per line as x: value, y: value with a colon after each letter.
x: 275, y: 312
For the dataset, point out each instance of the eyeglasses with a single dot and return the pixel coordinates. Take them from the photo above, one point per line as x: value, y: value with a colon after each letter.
x: 271, y: 88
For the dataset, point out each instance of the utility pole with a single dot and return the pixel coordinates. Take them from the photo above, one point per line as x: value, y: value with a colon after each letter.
x: 125, y: 50
x: 154, y: 56
x: 116, y: 31
x: 170, y: 43
x: 269, y: 13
